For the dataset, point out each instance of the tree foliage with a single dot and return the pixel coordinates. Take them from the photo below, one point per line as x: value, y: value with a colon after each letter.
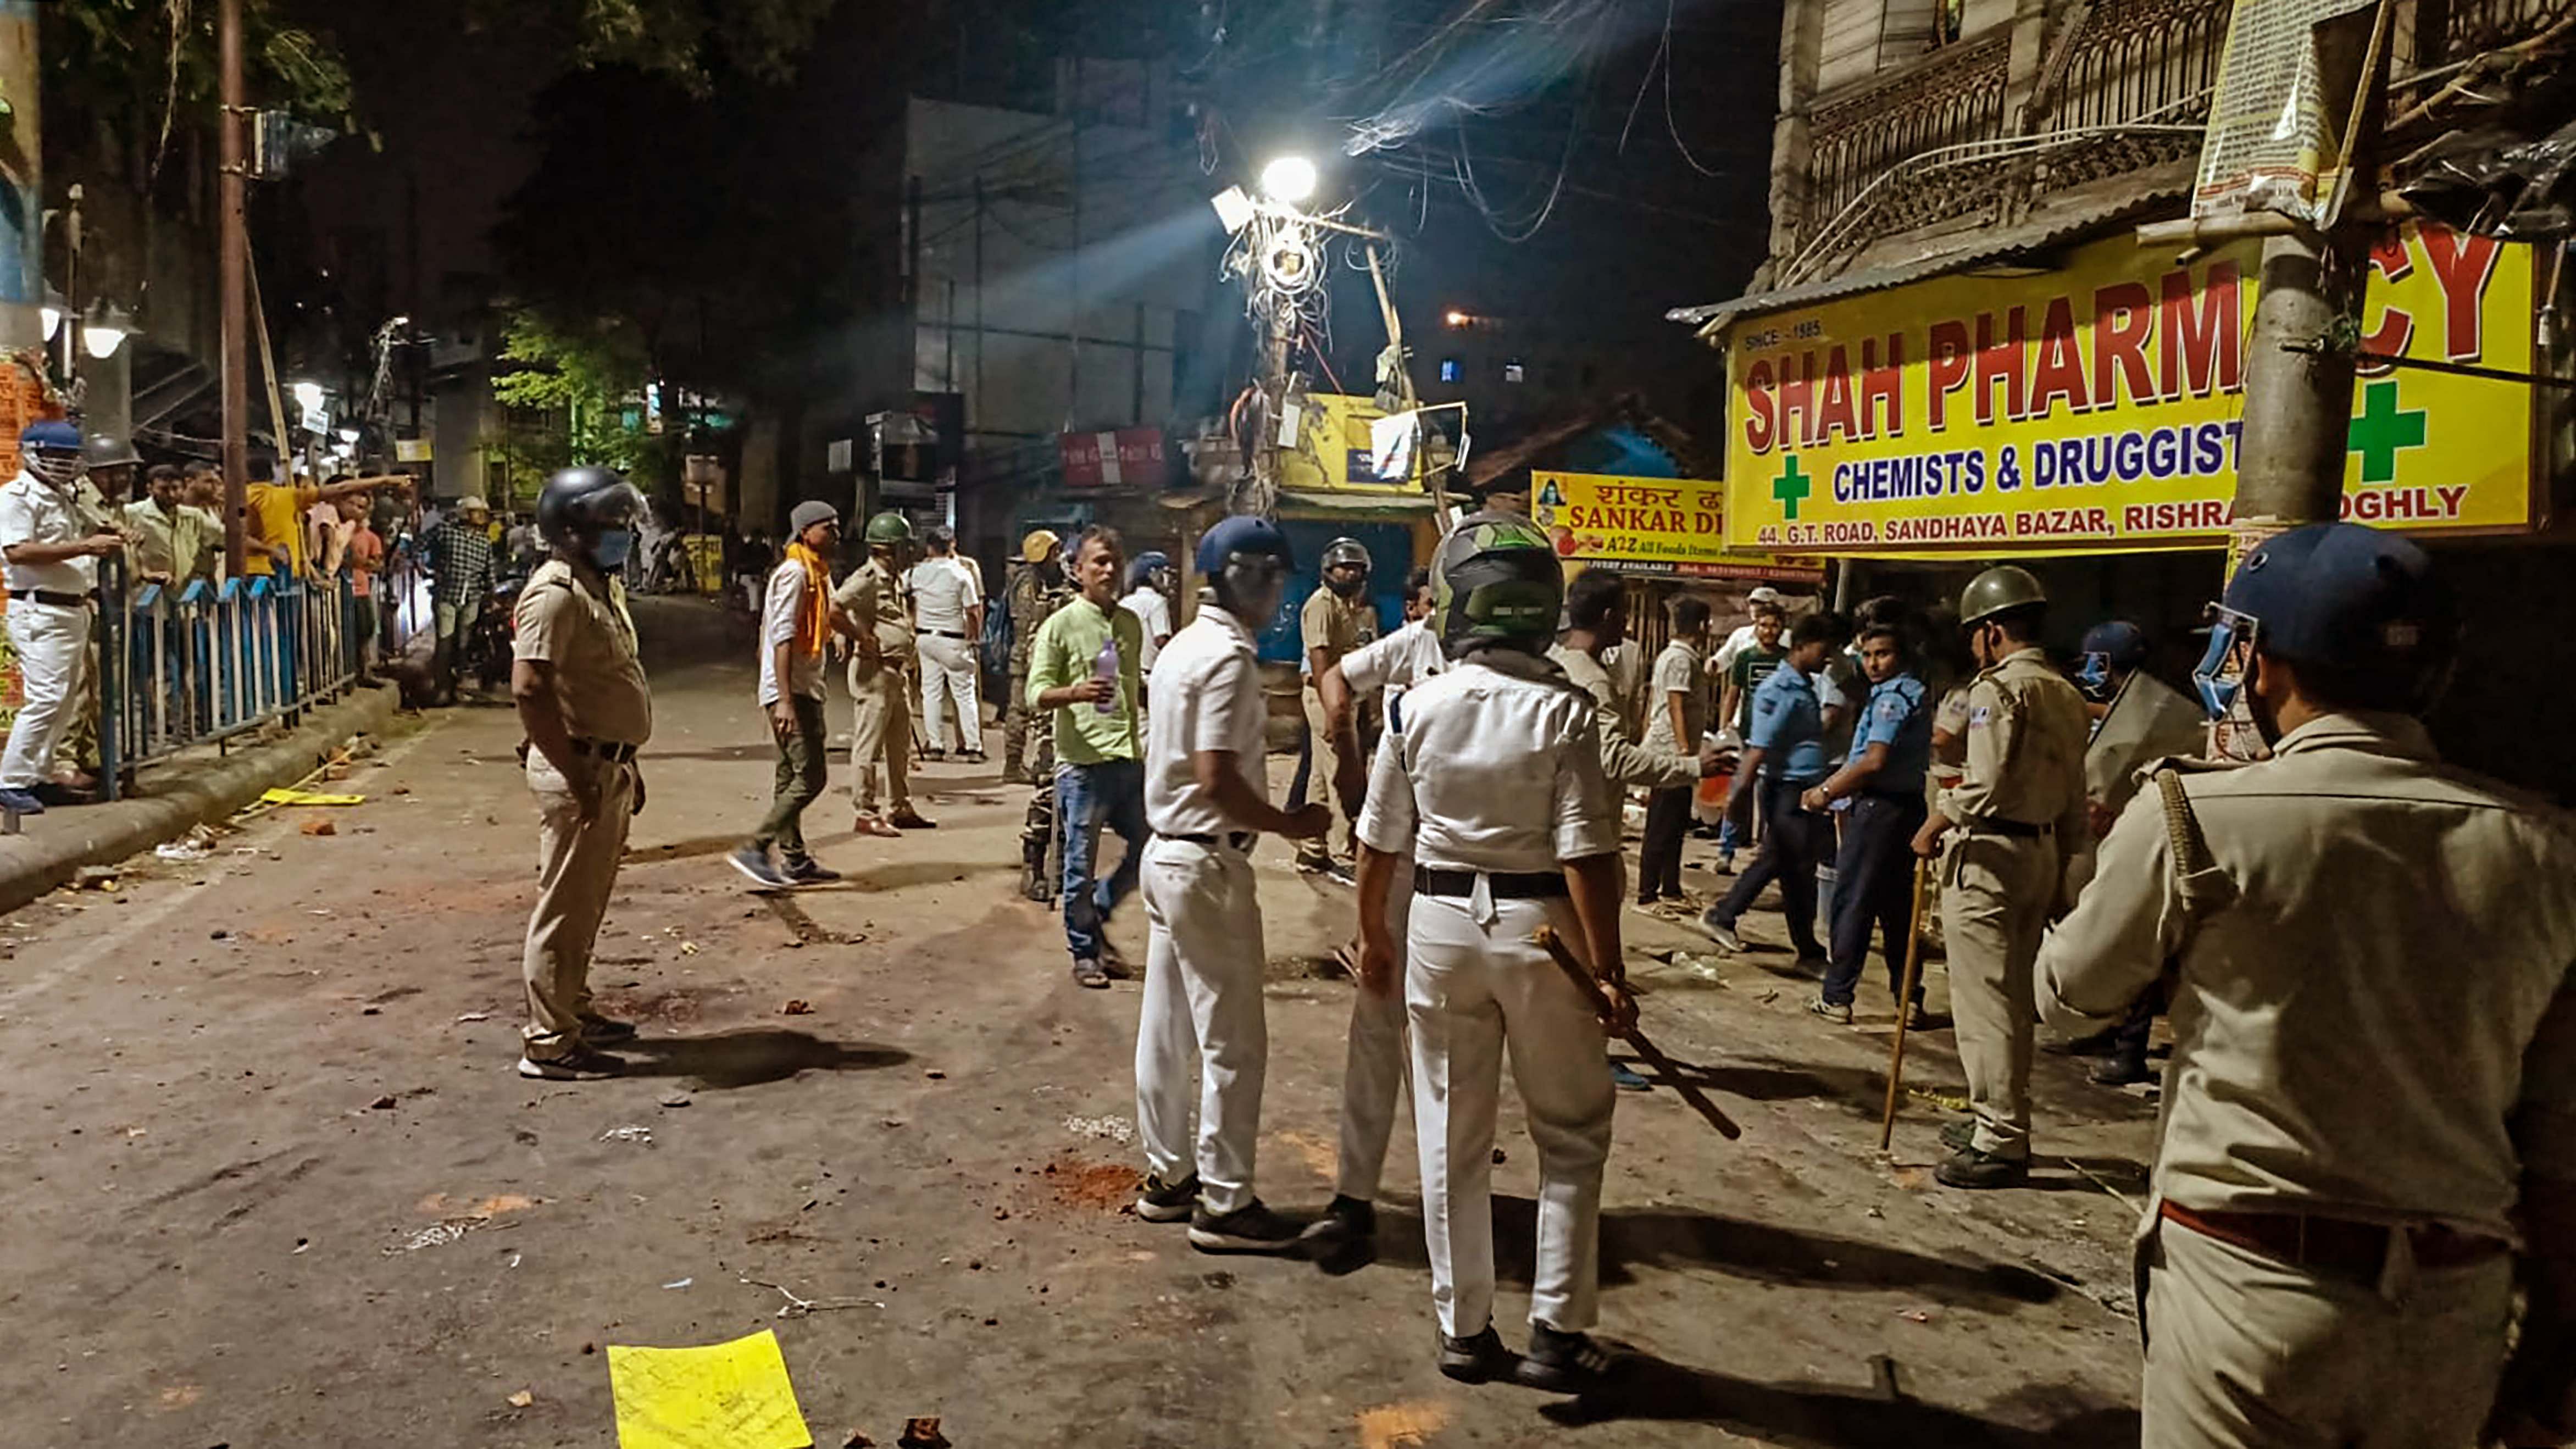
x: 587, y: 381
x: 686, y: 41
x: 148, y: 67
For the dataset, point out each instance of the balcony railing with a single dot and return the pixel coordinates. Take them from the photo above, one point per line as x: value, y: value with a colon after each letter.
x: 1953, y: 95
x: 2473, y: 27
x: 2139, y: 60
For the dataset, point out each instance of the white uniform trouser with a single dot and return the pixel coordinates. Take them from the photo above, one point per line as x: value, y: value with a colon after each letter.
x: 52, y: 643
x: 1374, y: 1066
x: 948, y: 670
x: 1475, y: 982
x: 1202, y: 1009
x: 2246, y: 1352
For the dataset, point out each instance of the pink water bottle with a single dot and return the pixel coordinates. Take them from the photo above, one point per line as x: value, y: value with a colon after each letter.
x: 1104, y: 666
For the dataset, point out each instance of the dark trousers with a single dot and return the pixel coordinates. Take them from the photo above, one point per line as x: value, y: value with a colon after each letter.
x: 799, y: 783
x: 2129, y: 1038
x: 1793, y: 847
x: 1659, y: 860
x: 1874, y: 890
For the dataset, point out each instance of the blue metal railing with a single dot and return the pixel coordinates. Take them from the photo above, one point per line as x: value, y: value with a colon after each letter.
x: 200, y: 664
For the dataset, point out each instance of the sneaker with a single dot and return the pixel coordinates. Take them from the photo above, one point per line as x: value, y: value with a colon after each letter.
x: 1564, y: 1363
x: 19, y: 802
x: 1087, y: 972
x: 2119, y: 1071
x: 1959, y: 1136
x: 1250, y: 1228
x: 907, y: 818
x: 1346, y: 1220
x: 1726, y: 863
x: 597, y: 1028
x: 1974, y: 1169
x: 805, y: 870
x: 755, y: 863
x: 1113, y: 962
x: 1837, y: 1012
x: 934, y: 757
x: 1167, y: 1202
x: 1339, y: 873
x: 970, y: 757
x: 1016, y: 776
x: 1810, y: 965
x: 1314, y: 864
x: 1477, y: 1360
x: 1722, y: 932
x: 578, y: 1065
x: 867, y: 824
x: 1626, y: 1079
x: 1918, y: 1019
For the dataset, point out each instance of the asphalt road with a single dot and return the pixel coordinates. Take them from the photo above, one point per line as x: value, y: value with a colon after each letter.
x: 276, y: 1184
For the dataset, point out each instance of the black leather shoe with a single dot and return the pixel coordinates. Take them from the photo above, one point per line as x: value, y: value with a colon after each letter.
x: 1974, y: 1169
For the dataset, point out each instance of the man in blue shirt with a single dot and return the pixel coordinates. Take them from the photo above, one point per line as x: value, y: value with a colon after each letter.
x: 1890, y: 751
x: 1785, y: 749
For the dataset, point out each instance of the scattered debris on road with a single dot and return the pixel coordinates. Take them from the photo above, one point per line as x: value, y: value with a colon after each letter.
x: 675, y: 1098
x: 318, y: 825
x: 94, y: 878
x: 522, y: 1399
x: 798, y: 1306
x: 631, y: 1132
x: 1115, y: 1129
x: 679, y: 1283
x: 797, y: 1006
x: 463, y: 1017
x: 922, y: 1434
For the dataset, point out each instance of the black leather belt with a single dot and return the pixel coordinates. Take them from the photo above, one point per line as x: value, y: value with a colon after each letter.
x: 1236, y: 840
x: 609, y: 750
x: 1507, y: 885
x: 940, y: 633
x: 2337, y: 1245
x: 2019, y: 830
x: 57, y: 599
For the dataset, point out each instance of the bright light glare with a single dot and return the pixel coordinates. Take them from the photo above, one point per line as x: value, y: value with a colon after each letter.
x: 53, y: 319
x: 1290, y: 180
x: 308, y: 396
x: 349, y: 435
x: 1459, y: 319
x: 102, y: 340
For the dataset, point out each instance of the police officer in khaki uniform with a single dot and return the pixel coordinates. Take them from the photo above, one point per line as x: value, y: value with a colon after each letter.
x: 584, y: 704
x: 881, y: 680
x: 2370, y: 1117
x: 1336, y: 619
x: 2004, y: 827
x: 1492, y: 779
x: 1036, y: 589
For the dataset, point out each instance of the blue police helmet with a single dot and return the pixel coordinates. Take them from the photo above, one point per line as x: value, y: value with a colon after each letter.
x: 2345, y: 596
x: 1143, y: 566
x: 50, y: 434
x: 2120, y: 642
x: 1239, y: 535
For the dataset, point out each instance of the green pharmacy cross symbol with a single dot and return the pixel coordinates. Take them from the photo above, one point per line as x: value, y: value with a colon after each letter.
x: 2382, y: 431
x: 1791, y: 488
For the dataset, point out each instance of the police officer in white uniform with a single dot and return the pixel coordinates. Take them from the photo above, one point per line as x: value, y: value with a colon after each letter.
x: 1207, y: 797
x: 51, y: 557
x: 1373, y: 1063
x: 1494, y: 781
x: 2369, y: 1128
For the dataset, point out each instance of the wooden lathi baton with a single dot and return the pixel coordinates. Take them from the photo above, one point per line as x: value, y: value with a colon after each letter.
x: 1546, y: 939
x: 1905, y: 1001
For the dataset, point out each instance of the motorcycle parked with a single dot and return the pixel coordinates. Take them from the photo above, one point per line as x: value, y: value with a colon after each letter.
x: 488, y: 651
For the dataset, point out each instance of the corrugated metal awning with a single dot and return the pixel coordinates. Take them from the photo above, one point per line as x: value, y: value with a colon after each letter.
x: 2041, y: 233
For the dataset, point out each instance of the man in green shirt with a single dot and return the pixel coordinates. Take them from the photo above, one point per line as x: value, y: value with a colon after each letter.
x: 1084, y: 666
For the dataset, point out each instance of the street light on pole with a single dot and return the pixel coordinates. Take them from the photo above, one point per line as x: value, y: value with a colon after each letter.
x: 1289, y: 180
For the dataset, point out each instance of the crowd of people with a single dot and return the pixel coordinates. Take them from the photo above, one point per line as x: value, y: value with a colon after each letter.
x: 2308, y: 1246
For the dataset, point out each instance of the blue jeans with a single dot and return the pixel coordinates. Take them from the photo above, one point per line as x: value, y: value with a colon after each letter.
x: 1087, y: 797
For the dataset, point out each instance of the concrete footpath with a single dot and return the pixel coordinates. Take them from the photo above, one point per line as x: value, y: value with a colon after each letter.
x: 202, y: 788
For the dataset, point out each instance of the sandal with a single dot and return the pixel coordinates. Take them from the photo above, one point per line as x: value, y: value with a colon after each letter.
x: 1088, y: 973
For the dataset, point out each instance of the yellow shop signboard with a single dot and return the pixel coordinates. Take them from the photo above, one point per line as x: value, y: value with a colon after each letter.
x: 2100, y: 407
x: 1668, y: 526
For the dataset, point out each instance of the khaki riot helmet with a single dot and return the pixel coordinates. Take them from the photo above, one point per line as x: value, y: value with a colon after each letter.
x: 1999, y: 589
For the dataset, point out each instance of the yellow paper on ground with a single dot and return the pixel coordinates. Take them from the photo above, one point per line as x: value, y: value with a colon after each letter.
x: 724, y: 1396
x: 308, y: 797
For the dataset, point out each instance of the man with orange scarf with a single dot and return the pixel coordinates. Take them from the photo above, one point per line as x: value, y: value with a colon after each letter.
x: 796, y: 620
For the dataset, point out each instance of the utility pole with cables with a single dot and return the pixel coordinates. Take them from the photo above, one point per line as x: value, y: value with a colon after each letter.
x: 232, y: 182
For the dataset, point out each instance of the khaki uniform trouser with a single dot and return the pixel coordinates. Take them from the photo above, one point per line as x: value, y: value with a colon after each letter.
x: 1996, y: 892
x: 880, y: 737
x: 2244, y: 1352
x: 576, y: 870
x: 79, y: 748
x: 1324, y: 763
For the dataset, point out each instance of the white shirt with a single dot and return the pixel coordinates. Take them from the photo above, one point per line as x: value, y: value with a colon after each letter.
x: 942, y: 591
x: 33, y: 511
x: 1154, y: 612
x: 1677, y: 671
x: 785, y: 602
x: 1399, y: 661
x: 1493, y: 771
x: 1205, y: 695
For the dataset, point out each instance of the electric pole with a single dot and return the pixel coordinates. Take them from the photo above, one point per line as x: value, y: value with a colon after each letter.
x: 22, y: 271
x: 232, y: 180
